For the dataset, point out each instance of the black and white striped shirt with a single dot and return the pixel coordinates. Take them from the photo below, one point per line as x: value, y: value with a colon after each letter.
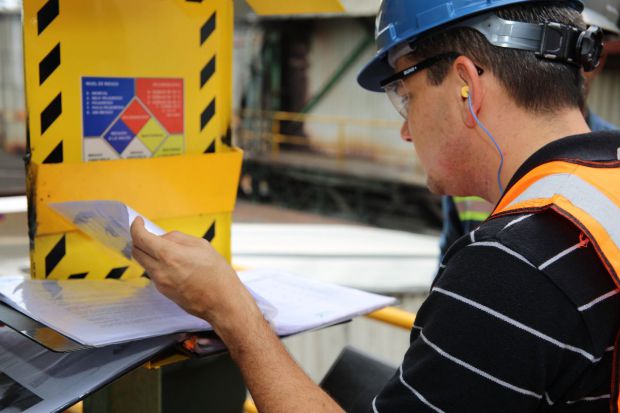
x: 521, y: 318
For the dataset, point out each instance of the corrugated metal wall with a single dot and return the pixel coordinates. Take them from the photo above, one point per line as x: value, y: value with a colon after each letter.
x: 332, y: 43
x: 12, y: 106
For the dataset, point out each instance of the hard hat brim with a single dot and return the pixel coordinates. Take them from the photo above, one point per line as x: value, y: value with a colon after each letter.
x: 374, y: 72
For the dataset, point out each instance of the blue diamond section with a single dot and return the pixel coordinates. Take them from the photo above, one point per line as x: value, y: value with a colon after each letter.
x: 119, y: 136
x: 103, y: 100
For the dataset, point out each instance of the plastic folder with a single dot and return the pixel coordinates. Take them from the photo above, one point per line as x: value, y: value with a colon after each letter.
x: 34, y: 379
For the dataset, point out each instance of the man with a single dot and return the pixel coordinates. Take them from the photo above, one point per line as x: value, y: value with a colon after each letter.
x: 462, y: 214
x: 524, y: 313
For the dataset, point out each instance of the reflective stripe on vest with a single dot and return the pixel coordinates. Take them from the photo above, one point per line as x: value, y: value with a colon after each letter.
x: 586, y: 193
x: 472, y: 208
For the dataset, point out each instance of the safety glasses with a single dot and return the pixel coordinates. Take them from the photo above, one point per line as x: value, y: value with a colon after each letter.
x: 395, y: 88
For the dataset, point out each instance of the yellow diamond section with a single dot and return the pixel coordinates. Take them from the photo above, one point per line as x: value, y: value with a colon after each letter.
x: 172, y: 146
x: 152, y: 135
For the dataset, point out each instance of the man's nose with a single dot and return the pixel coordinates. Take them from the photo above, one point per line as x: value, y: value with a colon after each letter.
x: 404, y: 132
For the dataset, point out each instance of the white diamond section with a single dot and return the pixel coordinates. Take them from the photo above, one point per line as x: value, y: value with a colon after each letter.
x: 98, y: 149
x: 136, y: 149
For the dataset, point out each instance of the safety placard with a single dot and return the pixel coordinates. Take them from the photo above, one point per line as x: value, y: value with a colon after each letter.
x: 126, y: 118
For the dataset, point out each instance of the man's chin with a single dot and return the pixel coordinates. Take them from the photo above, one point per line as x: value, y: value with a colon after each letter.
x: 434, y: 186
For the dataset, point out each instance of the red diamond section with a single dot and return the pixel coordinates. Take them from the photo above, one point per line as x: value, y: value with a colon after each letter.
x: 164, y: 99
x: 135, y: 117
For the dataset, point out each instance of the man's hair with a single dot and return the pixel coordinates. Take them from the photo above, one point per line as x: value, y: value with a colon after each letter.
x: 535, y: 84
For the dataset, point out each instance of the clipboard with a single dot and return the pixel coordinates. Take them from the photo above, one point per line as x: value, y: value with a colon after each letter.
x: 43, y: 371
x: 34, y: 379
x: 37, y: 332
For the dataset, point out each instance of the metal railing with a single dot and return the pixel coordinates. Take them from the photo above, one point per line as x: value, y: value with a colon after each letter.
x: 262, y: 132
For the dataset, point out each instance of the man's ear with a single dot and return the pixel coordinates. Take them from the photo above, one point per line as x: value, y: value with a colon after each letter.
x: 468, y: 89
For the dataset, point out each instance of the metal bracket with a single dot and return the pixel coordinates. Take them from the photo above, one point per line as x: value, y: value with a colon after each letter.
x: 558, y: 42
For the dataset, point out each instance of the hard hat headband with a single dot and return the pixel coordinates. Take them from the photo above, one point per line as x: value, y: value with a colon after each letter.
x: 402, y: 22
x: 551, y: 41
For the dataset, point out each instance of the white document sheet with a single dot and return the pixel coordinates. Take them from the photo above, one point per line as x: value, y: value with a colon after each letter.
x: 99, y: 312
x: 108, y: 222
x: 306, y: 304
x: 103, y: 312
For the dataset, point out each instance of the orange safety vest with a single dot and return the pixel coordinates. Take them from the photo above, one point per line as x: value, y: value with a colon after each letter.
x: 588, y: 195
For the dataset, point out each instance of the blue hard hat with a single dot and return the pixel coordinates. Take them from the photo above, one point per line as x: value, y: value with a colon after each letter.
x: 401, y: 21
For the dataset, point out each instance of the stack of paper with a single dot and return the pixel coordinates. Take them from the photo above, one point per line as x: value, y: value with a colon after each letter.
x: 103, y: 312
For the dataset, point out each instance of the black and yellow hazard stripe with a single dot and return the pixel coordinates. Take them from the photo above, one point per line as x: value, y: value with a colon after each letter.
x: 210, y: 234
x: 47, y: 14
x: 75, y: 256
x: 53, y: 257
x: 206, y: 73
x: 49, y: 64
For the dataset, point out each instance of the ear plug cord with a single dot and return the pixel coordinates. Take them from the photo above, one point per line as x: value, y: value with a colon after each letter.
x: 499, y: 151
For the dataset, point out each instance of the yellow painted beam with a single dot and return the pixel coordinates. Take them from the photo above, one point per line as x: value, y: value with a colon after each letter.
x: 278, y: 7
x: 394, y: 316
x: 249, y: 406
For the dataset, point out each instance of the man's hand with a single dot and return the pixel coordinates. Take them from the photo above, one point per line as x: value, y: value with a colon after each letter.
x: 191, y: 273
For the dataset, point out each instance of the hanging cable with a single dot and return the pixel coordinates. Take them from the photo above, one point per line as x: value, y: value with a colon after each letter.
x: 499, y: 151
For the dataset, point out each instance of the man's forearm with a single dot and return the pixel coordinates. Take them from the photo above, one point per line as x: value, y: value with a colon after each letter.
x: 191, y: 273
x: 276, y: 382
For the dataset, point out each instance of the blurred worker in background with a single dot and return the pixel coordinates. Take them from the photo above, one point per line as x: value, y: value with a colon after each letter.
x: 463, y: 214
x: 524, y: 313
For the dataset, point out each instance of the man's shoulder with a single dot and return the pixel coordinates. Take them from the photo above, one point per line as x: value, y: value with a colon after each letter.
x: 542, y: 259
x: 534, y: 238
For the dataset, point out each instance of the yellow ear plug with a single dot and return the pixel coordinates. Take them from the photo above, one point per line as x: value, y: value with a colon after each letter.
x: 465, y: 92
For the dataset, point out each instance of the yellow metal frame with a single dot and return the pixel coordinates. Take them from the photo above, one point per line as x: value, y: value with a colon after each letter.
x: 65, y: 41
x: 160, y: 188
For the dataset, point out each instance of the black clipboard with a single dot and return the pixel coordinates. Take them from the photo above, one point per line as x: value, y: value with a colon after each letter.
x: 34, y: 379
x: 32, y: 354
